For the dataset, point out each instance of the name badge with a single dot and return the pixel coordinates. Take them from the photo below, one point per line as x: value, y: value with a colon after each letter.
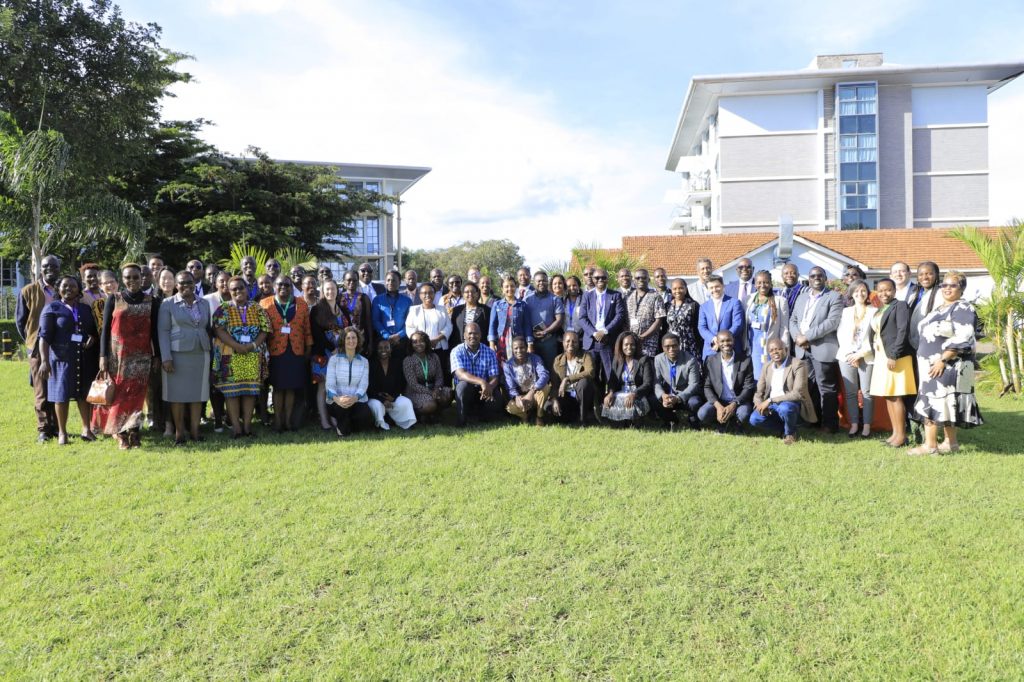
x: 391, y: 323
x: 287, y: 329
x: 244, y: 338
x: 755, y: 325
x: 76, y: 338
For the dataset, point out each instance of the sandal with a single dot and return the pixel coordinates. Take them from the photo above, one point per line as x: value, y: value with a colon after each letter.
x: 947, y: 448
x: 922, y: 450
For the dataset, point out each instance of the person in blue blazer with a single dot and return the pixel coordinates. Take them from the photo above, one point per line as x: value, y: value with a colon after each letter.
x: 720, y: 313
x: 603, y: 316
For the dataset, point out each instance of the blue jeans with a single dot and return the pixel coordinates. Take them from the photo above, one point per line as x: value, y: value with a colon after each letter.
x: 709, y: 416
x: 782, y: 417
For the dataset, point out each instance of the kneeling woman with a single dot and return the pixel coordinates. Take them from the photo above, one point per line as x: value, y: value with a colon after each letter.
x: 425, y: 385
x: 387, y: 382
x: 630, y: 384
x: 347, y: 380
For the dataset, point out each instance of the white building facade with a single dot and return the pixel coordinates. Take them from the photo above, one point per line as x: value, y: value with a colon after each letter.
x: 848, y: 143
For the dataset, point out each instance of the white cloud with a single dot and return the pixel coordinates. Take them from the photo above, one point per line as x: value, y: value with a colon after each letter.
x: 395, y: 88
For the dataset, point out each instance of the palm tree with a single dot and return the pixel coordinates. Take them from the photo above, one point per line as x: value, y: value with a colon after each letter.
x: 610, y: 260
x: 38, y: 208
x: 288, y: 258
x: 1003, y: 256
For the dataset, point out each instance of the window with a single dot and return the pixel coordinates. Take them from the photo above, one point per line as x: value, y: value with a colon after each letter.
x: 857, y: 151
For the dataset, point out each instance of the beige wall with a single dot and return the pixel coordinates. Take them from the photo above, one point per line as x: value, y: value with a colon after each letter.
x: 895, y: 120
x: 768, y: 156
x: 950, y: 149
x: 950, y: 196
x: 765, y: 200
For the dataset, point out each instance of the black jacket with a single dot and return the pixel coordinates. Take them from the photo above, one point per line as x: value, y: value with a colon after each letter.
x: 895, y: 331
x: 644, y: 378
x: 743, y: 384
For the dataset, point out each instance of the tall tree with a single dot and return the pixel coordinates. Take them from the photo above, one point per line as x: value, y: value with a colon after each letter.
x: 494, y: 257
x: 38, y: 215
x: 83, y: 70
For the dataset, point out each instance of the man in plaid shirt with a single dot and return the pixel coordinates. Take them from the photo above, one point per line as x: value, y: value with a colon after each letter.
x: 475, y: 369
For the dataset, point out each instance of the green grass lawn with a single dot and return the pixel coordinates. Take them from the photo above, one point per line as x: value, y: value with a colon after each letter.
x: 509, y: 552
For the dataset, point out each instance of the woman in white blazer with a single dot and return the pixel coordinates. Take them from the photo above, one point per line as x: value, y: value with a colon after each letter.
x: 767, y: 319
x: 433, y: 320
x: 856, y: 357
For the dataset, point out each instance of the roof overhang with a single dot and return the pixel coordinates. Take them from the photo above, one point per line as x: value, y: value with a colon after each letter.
x: 704, y: 91
x: 403, y: 176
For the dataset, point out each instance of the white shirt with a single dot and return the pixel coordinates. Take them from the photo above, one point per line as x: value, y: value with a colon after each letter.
x: 728, y: 367
x: 778, y: 381
x: 812, y: 303
x: 744, y: 291
x: 902, y: 294
x: 718, y: 309
x: 433, y: 321
x: 367, y: 289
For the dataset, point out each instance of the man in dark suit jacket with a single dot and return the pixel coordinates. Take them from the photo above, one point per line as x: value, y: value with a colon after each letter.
x: 31, y: 301
x: 742, y: 288
x: 602, y: 318
x: 677, y: 385
x: 812, y: 326
x: 728, y: 386
x: 366, y: 284
x: 720, y: 313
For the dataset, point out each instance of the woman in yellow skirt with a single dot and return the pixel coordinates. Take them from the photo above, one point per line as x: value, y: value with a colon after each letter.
x: 893, y: 375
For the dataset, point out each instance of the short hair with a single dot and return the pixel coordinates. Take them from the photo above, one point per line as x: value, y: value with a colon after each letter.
x: 670, y: 336
x: 419, y: 289
x: 184, y: 272
x: 716, y: 278
x: 961, y: 278
x: 518, y: 339
x: 705, y: 260
x: 899, y: 262
x: 73, y: 278
x: 426, y: 337
x: 239, y: 279
x: 344, y: 334
x: 856, y: 269
x: 88, y: 266
x: 540, y: 271
x: 885, y: 279
x: 929, y: 264
x: 575, y: 279
x: 312, y: 277
x: 468, y: 283
x: 108, y: 273
x: 778, y: 342
x: 130, y: 265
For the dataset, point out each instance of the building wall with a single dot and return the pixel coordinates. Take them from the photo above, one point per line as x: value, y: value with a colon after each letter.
x: 951, y: 149
x: 895, y: 156
x: 950, y: 198
x: 763, y: 201
x: 769, y: 156
x: 758, y: 114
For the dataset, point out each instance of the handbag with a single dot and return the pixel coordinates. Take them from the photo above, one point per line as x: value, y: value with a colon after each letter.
x: 101, y: 392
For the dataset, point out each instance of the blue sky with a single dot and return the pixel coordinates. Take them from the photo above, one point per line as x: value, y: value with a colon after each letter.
x: 547, y: 123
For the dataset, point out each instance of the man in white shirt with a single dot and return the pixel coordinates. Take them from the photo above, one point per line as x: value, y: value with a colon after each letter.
x: 906, y: 290
x: 699, y: 289
x: 742, y: 288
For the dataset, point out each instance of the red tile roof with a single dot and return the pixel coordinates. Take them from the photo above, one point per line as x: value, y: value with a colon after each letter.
x: 877, y: 249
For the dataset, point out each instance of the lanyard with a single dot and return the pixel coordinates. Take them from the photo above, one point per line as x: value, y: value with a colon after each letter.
x: 572, y: 308
x: 244, y: 314
x: 352, y: 302
x: 284, y: 311
x: 425, y: 366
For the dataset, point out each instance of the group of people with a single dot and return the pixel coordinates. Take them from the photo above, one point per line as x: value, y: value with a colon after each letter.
x: 361, y: 354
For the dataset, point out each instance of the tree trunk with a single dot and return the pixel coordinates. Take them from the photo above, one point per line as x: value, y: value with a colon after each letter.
x: 1011, y: 351
x: 1003, y: 376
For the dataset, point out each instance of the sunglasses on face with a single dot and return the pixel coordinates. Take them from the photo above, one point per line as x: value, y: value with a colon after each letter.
x: 946, y: 285
x: 602, y: 278
x: 744, y: 267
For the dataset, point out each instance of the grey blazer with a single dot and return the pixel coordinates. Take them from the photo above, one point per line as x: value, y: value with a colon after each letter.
x: 688, y: 383
x: 177, y: 331
x: 825, y: 319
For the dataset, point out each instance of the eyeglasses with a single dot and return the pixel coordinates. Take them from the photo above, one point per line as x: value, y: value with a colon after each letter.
x: 601, y: 278
x: 946, y: 285
x: 282, y: 285
x: 744, y: 267
x: 815, y: 276
x: 365, y: 270
x: 236, y: 290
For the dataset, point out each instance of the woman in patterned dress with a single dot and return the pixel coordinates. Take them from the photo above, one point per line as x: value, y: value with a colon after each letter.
x: 239, y: 359
x: 356, y: 307
x: 424, y: 383
x: 767, y: 319
x: 127, y: 347
x: 682, y: 314
x: 945, y: 360
x: 630, y: 384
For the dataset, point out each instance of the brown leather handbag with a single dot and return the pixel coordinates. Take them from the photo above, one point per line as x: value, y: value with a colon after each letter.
x: 101, y: 392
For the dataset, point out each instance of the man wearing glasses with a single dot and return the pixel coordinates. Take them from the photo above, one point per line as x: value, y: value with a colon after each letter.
x: 812, y: 325
x: 366, y: 284
x: 742, y: 288
x: 602, y: 317
x: 195, y: 268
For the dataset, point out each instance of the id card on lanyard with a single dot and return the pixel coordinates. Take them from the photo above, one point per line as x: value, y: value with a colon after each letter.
x: 76, y: 337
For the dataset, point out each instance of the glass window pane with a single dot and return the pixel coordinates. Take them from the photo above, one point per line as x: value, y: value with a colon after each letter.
x: 870, y: 188
x: 848, y: 171
x: 867, y: 155
x: 848, y: 155
x: 847, y: 141
x: 867, y: 171
x: 847, y: 108
x: 848, y: 124
x: 866, y: 107
x: 847, y: 93
x: 849, y: 188
x: 870, y: 202
x: 867, y: 141
x: 869, y: 219
x: 865, y: 92
x: 865, y: 124
x: 850, y: 220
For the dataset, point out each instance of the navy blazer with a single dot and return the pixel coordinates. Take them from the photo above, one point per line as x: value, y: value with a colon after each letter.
x: 614, y: 318
x: 731, y: 319
x: 57, y: 324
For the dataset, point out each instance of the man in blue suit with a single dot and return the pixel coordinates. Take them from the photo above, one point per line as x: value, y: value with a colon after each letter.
x: 602, y: 317
x: 720, y: 313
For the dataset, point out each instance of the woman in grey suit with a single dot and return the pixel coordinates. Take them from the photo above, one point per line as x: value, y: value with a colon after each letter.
x: 184, y: 330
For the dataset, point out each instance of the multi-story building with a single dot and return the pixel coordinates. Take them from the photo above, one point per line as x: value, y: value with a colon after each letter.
x: 378, y: 236
x: 848, y: 143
